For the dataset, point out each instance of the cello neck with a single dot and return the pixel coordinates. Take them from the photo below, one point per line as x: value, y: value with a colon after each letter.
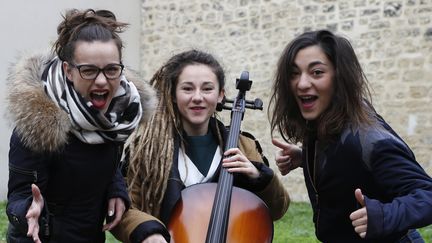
x: 236, y: 118
x: 218, y: 224
x: 225, y: 178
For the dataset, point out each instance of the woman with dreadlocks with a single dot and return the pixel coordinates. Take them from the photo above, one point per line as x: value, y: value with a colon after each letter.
x: 182, y: 145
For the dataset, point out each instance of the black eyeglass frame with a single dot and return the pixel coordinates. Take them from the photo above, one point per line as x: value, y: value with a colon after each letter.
x: 79, y: 66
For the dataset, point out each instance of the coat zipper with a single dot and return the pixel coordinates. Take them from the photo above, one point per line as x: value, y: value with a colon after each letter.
x: 314, y: 180
x: 32, y: 173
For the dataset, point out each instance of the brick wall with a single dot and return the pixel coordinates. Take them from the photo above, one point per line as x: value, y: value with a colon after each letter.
x: 393, y: 40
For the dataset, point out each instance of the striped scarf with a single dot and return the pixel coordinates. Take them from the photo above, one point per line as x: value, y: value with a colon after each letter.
x: 89, y: 124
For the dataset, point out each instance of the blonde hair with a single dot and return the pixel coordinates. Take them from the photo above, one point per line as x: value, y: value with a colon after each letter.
x: 151, y: 150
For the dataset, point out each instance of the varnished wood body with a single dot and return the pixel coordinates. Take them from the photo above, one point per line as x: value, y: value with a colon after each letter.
x: 249, y: 219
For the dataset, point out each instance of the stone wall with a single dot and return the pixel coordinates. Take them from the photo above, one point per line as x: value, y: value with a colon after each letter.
x: 393, y: 40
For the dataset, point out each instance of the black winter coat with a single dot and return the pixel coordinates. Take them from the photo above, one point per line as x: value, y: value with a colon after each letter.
x: 76, y: 179
x: 397, y: 191
x: 76, y: 184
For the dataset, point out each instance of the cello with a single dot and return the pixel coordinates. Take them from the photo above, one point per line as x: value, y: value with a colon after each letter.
x: 220, y: 212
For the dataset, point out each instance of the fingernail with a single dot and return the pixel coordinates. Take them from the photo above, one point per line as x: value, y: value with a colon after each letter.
x: 110, y: 213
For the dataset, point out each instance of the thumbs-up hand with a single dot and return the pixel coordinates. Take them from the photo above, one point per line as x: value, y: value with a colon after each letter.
x: 359, y: 217
x: 288, y: 158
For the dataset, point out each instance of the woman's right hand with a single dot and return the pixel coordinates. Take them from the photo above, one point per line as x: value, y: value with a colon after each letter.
x: 288, y: 158
x: 34, y: 213
x: 155, y: 238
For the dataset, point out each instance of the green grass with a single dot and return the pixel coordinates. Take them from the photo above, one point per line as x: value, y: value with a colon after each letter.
x: 3, y: 222
x: 295, y: 226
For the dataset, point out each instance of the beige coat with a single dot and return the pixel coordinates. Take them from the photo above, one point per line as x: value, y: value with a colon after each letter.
x: 274, y: 195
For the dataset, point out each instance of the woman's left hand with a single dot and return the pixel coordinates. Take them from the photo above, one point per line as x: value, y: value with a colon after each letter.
x: 116, y: 209
x: 237, y: 162
x: 359, y: 217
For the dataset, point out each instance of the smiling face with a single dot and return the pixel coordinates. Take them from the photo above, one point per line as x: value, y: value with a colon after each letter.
x: 197, y: 94
x: 101, y: 90
x: 312, y: 82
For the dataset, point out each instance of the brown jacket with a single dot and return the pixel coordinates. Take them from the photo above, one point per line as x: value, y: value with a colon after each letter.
x: 273, y: 194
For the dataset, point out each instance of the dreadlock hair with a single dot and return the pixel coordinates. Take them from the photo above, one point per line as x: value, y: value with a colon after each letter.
x: 151, y: 146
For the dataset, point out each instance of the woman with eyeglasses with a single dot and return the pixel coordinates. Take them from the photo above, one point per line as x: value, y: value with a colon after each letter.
x: 72, y: 111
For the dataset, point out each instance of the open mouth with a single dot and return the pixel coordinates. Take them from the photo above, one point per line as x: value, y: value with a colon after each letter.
x: 99, y: 99
x: 308, y: 99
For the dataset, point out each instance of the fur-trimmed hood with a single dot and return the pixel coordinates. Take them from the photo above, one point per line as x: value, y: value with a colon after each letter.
x: 42, y: 125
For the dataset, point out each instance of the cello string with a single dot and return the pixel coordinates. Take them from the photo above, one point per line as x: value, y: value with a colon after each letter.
x: 222, y: 201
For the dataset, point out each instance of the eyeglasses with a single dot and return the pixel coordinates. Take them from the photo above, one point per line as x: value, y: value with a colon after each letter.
x: 90, y: 72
